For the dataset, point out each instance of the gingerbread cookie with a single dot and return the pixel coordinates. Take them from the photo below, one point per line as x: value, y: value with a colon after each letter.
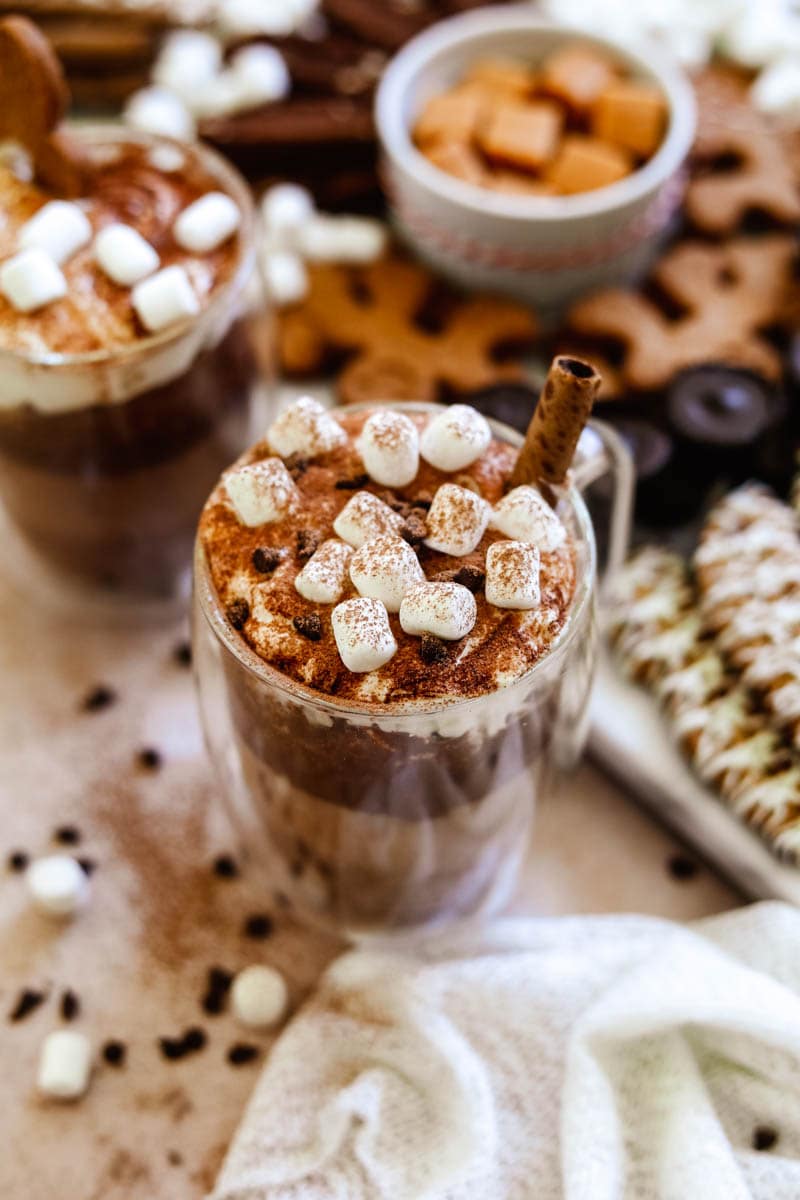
x: 374, y: 317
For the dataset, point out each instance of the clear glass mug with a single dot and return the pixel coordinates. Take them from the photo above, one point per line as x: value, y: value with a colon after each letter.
x: 383, y: 823
x: 107, y: 457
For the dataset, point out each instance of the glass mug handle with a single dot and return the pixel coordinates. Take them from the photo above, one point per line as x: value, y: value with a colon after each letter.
x: 601, y: 451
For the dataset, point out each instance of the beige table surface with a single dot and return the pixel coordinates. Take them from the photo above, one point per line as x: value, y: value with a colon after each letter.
x: 159, y: 917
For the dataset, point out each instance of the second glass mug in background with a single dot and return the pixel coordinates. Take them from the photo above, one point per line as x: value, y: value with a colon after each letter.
x: 106, y: 492
x: 380, y: 821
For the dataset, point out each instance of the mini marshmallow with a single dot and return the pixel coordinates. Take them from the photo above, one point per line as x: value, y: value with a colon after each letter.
x: 59, y: 228
x: 385, y: 568
x: 389, y: 448
x: 261, y: 492
x: 524, y: 515
x: 31, y: 279
x: 124, y: 255
x: 167, y: 158
x: 248, y: 18
x: 155, y: 110
x: 777, y: 90
x: 58, y: 885
x: 447, y: 610
x: 364, y: 517
x: 342, y: 239
x: 261, y: 75
x: 457, y: 520
x: 165, y: 298
x: 305, y: 428
x: 285, y: 278
x: 207, y: 223
x: 65, y: 1063
x: 455, y: 438
x: 188, y: 59
x: 323, y: 578
x: 285, y: 208
x: 512, y: 575
x: 363, y: 634
x: 259, y: 997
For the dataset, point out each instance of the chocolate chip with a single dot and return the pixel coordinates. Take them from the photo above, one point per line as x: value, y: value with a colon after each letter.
x: 297, y: 465
x: 470, y: 577
x: 183, y: 654
x: 70, y: 1005
x: 307, y: 543
x: 309, y: 625
x: 98, y: 698
x: 681, y: 867
x: 265, y: 559
x: 225, y: 866
x: 432, y: 649
x: 414, y: 530
x: 149, y: 759
x: 174, y: 1158
x: 67, y: 835
x: 17, y: 860
x: 424, y: 500
x: 87, y: 865
x: 114, y: 1053
x: 194, y: 1039
x: 241, y: 1053
x: 238, y: 613
x: 764, y: 1137
x: 219, y: 984
x: 352, y: 484
x: 258, y: 926
x: 27, y: 1001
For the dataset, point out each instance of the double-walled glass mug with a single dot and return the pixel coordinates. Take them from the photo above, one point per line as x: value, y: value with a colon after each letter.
x: 106, y: 457
x: 384, y: 819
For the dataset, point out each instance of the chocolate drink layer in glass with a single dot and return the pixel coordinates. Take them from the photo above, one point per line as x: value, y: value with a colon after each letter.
x: 114, y: 424
x: 392, y: 759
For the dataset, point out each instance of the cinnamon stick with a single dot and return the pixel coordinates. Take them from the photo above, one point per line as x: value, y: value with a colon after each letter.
x: 557, y: 423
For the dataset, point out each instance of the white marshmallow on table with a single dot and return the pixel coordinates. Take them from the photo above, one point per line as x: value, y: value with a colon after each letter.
x: 124, y: 255
x: 59, y: 228
x: 31, y: 279
x: 259, y: 997
x: 285, y: 208
x: 342, y: 239
x: 512, y: 575
x: 65, y: 1063
x: 363, y: 634
x: 58, y: 885
x: 365, y: 517
x: 207, y: 223
x: 305, y: 428
x: 164, y: 298
x: 446, y: 610
x: 261, y: 492
x: 457, y: 520
x: 188, y: 58
x: 323, y: 578
x: 273, y: 18
x: 285, y: 277
x: 156, y: 110
x: 385, y: 568
x: 525, y: 516
x: 777, y: 90
x: 389, y: 448
x: 455, y: 438
x: 261, y: 74
x: 760, y: 34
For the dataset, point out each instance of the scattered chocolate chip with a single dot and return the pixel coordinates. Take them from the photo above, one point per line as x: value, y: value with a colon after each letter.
x: 265, y: 559
x: 764, y: 1137
x: 225, y: 866
x: 114, y: 1053
x: 352, y: 484
x: 67, y: 835
x: 219, y: 984
x: 242, y: 1053
x: 183, y: 654
x: 309, y: 625
x: 432, y: 649
x: 307, y: 543
x: 414, y: 530
x: 27, y: 1001
x: 149, y: 759
x: 174, y: 1158
x: 258, y: 926
x: 98, y: 698
x: 17, y: 860
x: 470, y: 577
x: 87, y: 865
x: 70, y: 1005
x: 238, y: 613
x: 297, y: 465
x: 423, y: 500
x: 681, y: 867
x: 194, y: 1038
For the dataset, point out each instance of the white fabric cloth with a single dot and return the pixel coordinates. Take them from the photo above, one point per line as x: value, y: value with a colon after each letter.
x: 586, y: 1058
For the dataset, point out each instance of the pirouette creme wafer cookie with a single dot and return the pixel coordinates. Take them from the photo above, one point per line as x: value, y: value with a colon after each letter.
x: 557, y: 423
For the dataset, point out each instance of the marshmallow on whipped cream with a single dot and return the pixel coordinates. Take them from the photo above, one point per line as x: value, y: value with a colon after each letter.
x: 261, y: 492
x: 385, y: 568
x: 512, y: 575
x: 207, y: 223
x: 455, y: 438
x: 389, y: 448
x: 363, y: 634
x: 364, y: 517
x: 305, y: 428
x: 445, y: 610
x: 65, y: 1064
x: 457, y: 520
x: 525, y: 516
x: 60, y: 228
x: 324, y: 577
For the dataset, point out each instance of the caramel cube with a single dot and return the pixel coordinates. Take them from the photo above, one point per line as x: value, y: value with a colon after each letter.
x: 517, y: 183
x: 577, y: 74
x: 522, y: 135
x: 451, y: 117
x: 505, y: 76
x: 457, y: 159
x: 632, y: 115
x: 585, y: 163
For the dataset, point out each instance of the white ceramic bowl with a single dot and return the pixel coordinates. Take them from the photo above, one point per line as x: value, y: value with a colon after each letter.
x: 545, y: 250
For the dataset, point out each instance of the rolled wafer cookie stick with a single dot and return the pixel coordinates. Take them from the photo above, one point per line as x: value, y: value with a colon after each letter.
x: 557, y: 423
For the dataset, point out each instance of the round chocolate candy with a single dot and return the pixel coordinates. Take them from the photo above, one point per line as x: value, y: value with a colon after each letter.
x: 717, y: 405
